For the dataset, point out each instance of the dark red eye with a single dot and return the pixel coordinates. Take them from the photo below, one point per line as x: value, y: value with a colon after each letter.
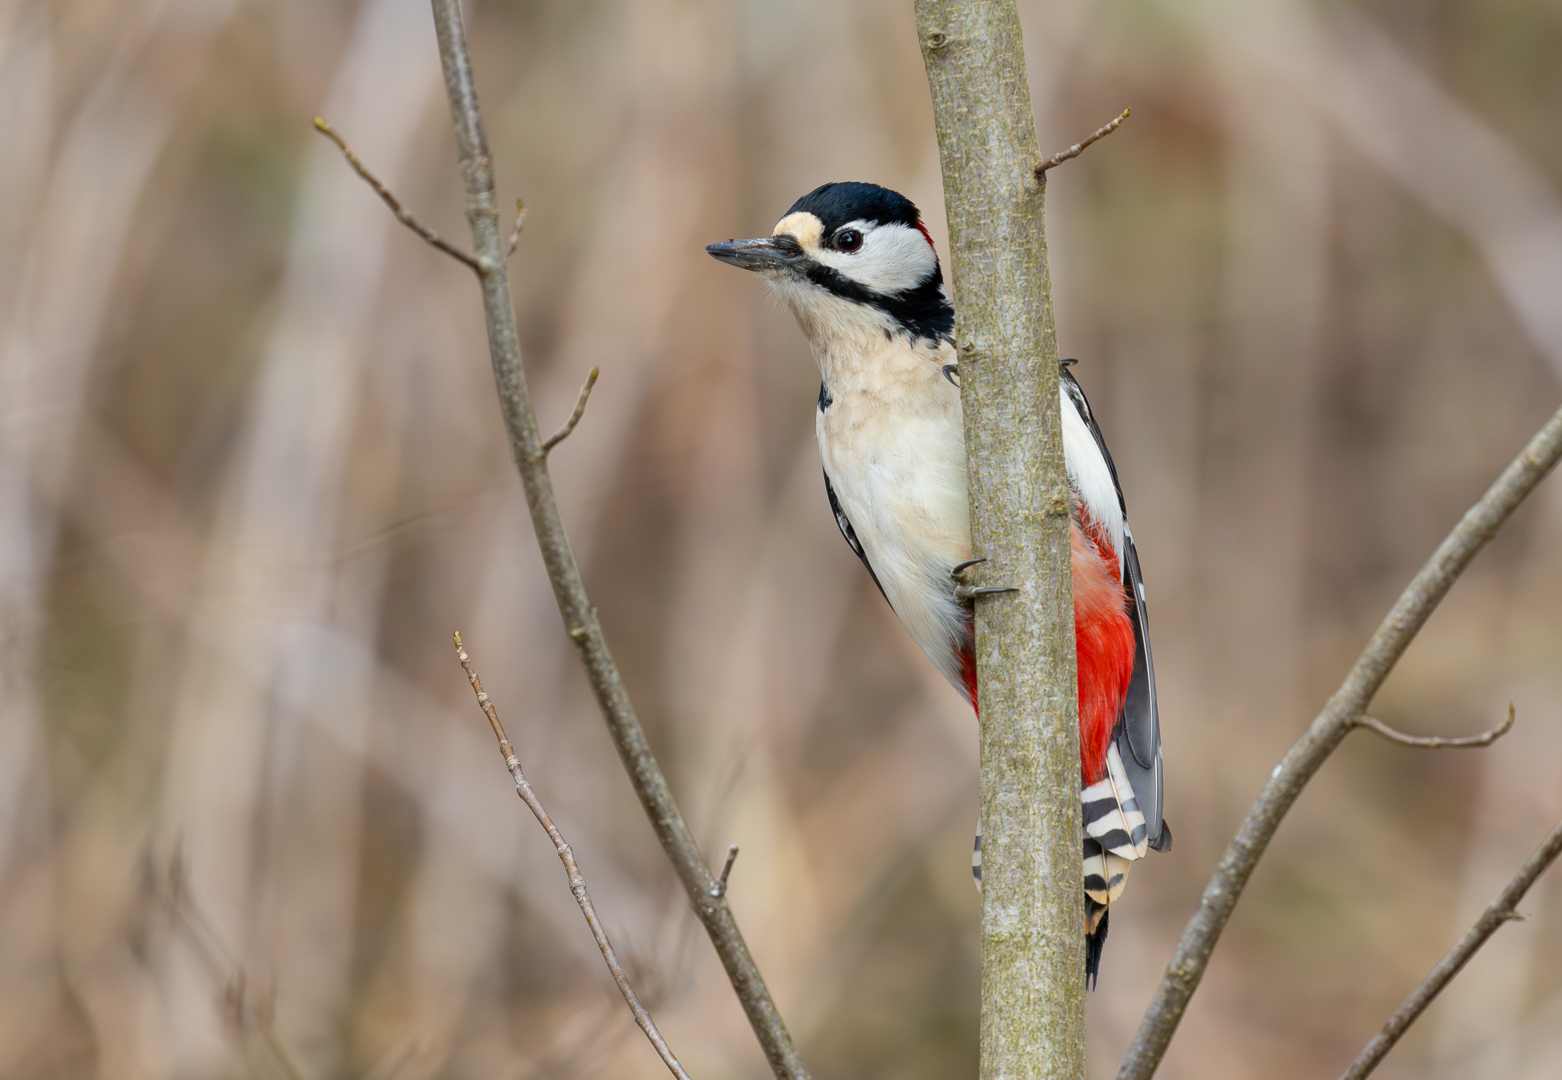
x: 848, y: 240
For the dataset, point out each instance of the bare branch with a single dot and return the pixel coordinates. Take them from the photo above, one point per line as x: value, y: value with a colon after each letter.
x: 403, y: 215
x: 720, y: 888
x: 515, y: 232
x: 1322, y: 737
x: 1501, y: 911
x: 1079, y: 148
x: 1439, y: 742
x: 580, y: 410
x: 580, y: 618
x: 577, y: 883
x: 1033, y: 906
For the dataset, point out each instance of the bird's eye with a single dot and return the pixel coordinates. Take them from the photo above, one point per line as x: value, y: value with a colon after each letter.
x: 848, y: 240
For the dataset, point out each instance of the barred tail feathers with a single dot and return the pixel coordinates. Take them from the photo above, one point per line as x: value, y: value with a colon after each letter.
x: 1115, y: 836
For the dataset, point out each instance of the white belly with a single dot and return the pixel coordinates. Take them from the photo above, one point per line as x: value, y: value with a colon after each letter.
x: 897, y: 465
x: 895, y: 455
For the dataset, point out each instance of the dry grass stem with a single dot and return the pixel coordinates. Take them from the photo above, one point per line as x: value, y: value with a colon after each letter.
x: 1079, y: 148
x: 403, y: 215
x: 1440, y: 742
x: 1342, y: 714
x: 1501, y: 911
x: 577, y: 883
x: 574, y: 418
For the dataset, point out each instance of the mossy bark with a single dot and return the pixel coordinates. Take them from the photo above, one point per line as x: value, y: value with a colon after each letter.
x: 1033, y: 962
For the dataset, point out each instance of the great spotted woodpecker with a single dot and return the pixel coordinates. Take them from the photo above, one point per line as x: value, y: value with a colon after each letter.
x: 859, y: 270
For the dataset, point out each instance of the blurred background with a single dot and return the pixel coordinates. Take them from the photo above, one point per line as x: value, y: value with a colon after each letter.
x: 252, y: 476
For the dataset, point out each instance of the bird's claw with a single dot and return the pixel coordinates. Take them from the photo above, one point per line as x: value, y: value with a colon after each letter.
x: 968, y: 594
x: 960, y: 568
x: 950, y: 372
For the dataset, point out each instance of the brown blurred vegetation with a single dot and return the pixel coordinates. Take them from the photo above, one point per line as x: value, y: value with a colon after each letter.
x: 251, y: 477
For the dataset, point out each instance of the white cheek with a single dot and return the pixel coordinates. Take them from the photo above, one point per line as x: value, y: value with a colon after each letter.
x: 893, y: 259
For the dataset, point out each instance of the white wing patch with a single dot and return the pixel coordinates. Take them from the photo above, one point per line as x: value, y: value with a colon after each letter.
x: 1089, y: 473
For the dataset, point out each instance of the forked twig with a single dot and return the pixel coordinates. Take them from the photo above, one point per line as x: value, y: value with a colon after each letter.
x: 1079, y: 148
x: 1502, y: 910
x: 1323, y: 736
x: 577, y: 884
x: 574, y: 418
x: 1439, y: 742
x: 403, y: 215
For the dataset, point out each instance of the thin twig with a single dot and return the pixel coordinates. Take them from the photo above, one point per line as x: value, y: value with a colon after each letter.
x: 577, y: 883
x: 720, y: 888
x: 1502, y: 910
x: 574, y: 418
x: 1323, y: 737
x: 515, y: 232
x: 580, y: 618
x: 1439, y: 742
x: 403, y: 215
x: 1079, y: 148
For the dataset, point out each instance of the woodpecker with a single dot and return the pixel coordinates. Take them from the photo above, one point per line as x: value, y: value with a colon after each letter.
x: 858, y: 268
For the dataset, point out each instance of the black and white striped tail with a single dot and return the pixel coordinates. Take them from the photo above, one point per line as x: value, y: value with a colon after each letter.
x: 1115, y: 837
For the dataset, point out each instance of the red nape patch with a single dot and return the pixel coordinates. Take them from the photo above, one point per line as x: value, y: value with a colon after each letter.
x: 921, y: 228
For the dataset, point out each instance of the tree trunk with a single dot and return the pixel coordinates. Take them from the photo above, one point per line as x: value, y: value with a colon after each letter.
x: 1033, y: 959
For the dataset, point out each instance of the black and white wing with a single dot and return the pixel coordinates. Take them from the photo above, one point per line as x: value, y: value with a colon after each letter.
x: 844, y: 524
x: 1138, y: 737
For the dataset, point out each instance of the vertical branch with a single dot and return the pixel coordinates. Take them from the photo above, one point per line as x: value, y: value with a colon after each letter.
x: 580, y: 622
x: 1033, y: 959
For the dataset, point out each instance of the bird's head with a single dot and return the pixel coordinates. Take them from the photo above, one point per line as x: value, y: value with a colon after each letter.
x: 847, y: 254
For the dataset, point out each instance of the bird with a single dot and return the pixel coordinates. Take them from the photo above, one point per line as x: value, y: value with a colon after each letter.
x: 858, y: 268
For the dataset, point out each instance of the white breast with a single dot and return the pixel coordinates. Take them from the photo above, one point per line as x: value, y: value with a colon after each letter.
x: 893, y: 446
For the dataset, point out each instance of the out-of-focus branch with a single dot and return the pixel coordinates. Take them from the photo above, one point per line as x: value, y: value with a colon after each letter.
x: 403, y: 215
x: 242, y: 1010
x: 1323, y: 736
x: 1502, y: 910
x: 1440, y: 742
x: 580, y: 618
x: 574, y: 418
x: 577, y: 883
x: 1079, y: 148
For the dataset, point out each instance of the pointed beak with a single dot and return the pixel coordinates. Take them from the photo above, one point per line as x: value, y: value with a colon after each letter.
x: 769, y: 253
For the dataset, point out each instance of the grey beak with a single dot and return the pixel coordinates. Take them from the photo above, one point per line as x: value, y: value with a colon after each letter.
x: 767, y: 253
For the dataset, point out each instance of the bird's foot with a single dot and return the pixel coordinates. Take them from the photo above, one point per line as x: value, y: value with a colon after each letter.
x: 967, y: 593
x: 961, y: 569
